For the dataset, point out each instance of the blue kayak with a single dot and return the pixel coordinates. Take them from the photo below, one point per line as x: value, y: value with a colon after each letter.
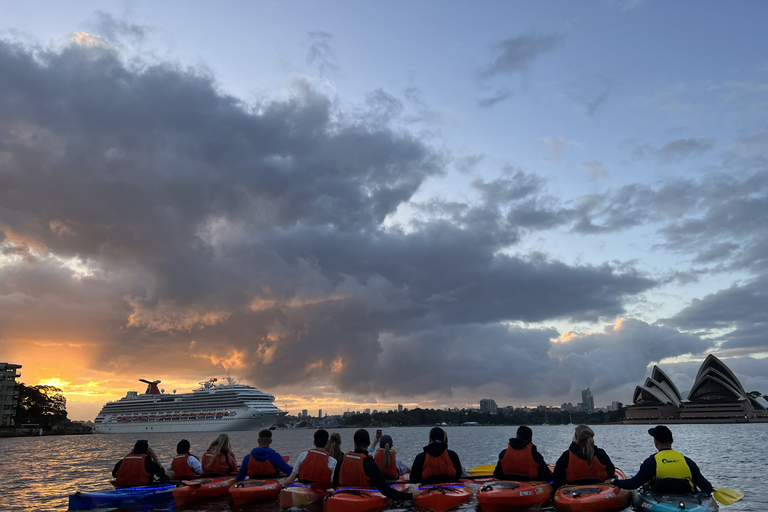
x: 124, y: 497
x: 649, y: 501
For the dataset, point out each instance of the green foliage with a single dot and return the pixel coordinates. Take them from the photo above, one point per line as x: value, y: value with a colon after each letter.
x: 41, y: 405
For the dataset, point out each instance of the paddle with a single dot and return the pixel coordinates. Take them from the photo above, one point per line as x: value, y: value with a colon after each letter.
x: 727, y: 496
x: 484, y: 470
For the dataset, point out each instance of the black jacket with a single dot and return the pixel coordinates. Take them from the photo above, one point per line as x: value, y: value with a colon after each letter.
x: 558, y: 476
x: 375, y: 477
x: 647, y: 474
x: 435, y: 450
x: 517, y: 444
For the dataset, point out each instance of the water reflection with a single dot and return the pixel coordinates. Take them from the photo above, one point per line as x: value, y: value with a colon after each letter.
x: 43, y: 471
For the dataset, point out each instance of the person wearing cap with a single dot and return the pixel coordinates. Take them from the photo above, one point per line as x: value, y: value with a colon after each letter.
x: 667, y: 471
x: 436, y: 464
x: 184, y: 464
x: 521, y: 460
x: 314, y: 466
x: 358, y: 469
x: 387, y: 459
x: 582, y: 462
x: 263, y: 461
x: 140, y: 467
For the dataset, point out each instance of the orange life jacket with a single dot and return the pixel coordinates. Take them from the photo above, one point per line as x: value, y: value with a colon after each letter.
x: 391, y: 471
x: 579, y: 469
x: 181, y: 467
x: 216, y: 466
x: 442, y: 465
x: 132, y: 471
x: 314, y: 468
x: 520, y: 462
x: 260, y: 468
x: 352, y: 473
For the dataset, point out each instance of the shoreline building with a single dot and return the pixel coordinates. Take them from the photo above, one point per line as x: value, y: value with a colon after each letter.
x: 9, y: 394
x: 716, y: 396
x: 488, y: 405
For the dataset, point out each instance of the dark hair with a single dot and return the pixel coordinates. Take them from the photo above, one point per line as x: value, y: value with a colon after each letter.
x: 525, y: 433
x: 437, y: 434
x: 321, y: 438
x: 266, y: 433
x: 141, y: 446
x: 362, y: 438
x: 182, y: 447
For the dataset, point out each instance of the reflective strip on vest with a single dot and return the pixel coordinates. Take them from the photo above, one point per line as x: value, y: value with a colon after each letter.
x: 352, y: 473
x: 180, y: 466
x: 314, y: 468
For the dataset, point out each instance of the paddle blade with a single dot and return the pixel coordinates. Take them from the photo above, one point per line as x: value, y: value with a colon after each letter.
x: 727, y: 496
x: 485, y: 469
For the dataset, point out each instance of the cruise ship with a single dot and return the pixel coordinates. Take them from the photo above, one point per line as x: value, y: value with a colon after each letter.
x: 212, y: 408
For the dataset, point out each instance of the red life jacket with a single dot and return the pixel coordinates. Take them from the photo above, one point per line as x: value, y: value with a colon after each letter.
x: 314, y: 468
x: 132, y: 471
x: 438, y: 466
x: 180, y: 466
x: 578, y: 469
x: 216, y: 466
x: 352, y: 473
x: 520, y: 462
x: 260, y: 468
x: 391, y: 471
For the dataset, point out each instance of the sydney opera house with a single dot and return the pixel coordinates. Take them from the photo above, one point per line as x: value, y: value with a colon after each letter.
x: 716, y: 396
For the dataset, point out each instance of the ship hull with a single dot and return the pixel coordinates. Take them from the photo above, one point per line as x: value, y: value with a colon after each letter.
x: 223, y: 425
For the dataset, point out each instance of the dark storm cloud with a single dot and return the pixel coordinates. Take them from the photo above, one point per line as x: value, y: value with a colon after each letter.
x: 214, y: 232
x: 518, y: 53
x: 678, y: 150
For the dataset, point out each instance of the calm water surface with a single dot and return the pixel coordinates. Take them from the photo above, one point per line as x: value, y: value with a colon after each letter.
x: 41, y: 472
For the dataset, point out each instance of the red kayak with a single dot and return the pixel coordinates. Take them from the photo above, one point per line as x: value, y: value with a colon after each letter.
x: 358, y: 499
x: 509, y: 495
x: 441, y: 497
x: 202, y: 488
x: 599, y: 497
x: 254, y: 490
x: 297, y: 495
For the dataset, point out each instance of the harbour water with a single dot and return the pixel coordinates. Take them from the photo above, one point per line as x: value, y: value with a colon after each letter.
x: 40, y: 472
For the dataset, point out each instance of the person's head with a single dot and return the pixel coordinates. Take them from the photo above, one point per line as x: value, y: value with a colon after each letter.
x: 524, y: 433
x: 217, y: 447
x: 265, y: 438
x: 362, y: 439
x: 385, y: 443
x: 333, y: 446
x: 321, y: 438
x: 385, y: 440
x: 584, y: 437
x: 662, y: 437
x: 437, y: 435
x: 182, y: 447
x: 141, y: 447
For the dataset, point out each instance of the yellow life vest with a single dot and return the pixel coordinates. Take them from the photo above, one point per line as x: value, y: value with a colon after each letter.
x: 670, y: 464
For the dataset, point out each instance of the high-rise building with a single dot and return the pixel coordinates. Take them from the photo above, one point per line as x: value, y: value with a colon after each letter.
x: 587, y: 399
x: 367, y: 411
x: 399, y: 407
x: 488, y: 405
x: 9, y: 395
x: 319, y: 413
x: 304, y: 413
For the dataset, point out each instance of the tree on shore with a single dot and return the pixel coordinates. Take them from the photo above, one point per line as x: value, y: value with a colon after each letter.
x: 41, y: 405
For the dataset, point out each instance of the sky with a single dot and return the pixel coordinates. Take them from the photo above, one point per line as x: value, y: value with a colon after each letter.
x: 356, y: 205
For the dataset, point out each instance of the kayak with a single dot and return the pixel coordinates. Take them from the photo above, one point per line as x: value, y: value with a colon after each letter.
x: 297, y: 495
x: 358, y: 499
x: 602, y: 497
x: 500, y: 495
x: 650, y: 501
x: 126, y: 496
x: 254, y: 490
x: 441, y: 497
x: 202, y: 488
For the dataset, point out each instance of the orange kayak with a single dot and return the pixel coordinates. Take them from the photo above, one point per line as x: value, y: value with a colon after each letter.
x: 441, y: 497
x: 598, y: 497
x: 508, y: 495
x: 202, y: 488
x: 297, y: 495
x: 254, y: 490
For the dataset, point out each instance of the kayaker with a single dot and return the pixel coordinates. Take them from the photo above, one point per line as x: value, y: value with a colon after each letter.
x: 184, y: 464
x: 521, y: 460
x: 436, y: 464
x: 333, y: 447
x: 386, y: 458
x: 314, y: 466
x: 263, y: 461
x: 667, y: 471
x: 358, y: 469
x: 140, y: 467
x: 218, y: 458
x: 583, y: 462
